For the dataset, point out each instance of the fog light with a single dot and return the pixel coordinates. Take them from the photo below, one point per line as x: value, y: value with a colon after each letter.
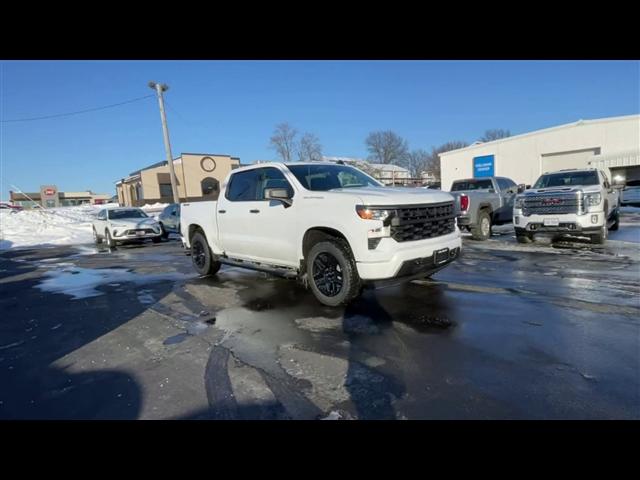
x: 373, y: 243
x: 594, y: 218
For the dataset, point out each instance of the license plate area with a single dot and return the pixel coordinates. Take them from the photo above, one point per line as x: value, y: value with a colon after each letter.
x: 551, y: 222
x: 441, y: 256
x: 139, y: 233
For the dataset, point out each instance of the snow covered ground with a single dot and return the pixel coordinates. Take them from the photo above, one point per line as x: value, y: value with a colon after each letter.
x: 54, y: 226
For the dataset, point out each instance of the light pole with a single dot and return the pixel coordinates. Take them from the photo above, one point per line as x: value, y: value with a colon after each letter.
x: 159, y: 88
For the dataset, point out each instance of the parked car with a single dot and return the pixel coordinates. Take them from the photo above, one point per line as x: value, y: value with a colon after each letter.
x: 9, y: 206
x: 631, y: 194
x: 169, y: 220
x: 331, y: 226
x: 568, y: 202
x: 433, y: 186
x: 119, y: 225
x: 484, y: 202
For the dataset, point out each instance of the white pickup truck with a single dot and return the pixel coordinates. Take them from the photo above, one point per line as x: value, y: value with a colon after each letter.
x: 577, y: 202
x: 331, y: 226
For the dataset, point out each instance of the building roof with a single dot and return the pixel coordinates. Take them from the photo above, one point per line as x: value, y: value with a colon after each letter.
x: 544, y: 130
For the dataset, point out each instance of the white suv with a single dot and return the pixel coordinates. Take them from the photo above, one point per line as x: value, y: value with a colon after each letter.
x: 120, y: 225
x: 579, y: 202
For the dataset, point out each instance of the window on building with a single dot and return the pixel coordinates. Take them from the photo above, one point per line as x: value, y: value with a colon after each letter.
x: 210, y: 187
x: 166, y: 190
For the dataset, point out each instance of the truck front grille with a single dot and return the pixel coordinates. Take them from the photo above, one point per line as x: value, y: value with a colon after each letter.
x: 419, y: 222
x: 557, y: 204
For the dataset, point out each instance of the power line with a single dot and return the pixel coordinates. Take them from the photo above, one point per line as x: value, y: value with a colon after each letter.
x: 77, y: 112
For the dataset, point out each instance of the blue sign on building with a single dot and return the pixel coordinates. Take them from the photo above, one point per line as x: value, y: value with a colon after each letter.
x: 483, y: 166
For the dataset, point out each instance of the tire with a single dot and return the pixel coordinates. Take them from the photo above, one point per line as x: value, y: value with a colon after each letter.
x: 616, y: 221
x: 333, y: 276
x: 157, y: 239
x: 601, y: 237
x: 108, y: 240
x: 524, y: 237
x: 201, y: 256
x: 165, y: 234
x: 482, y: 229
x: 96, y: 238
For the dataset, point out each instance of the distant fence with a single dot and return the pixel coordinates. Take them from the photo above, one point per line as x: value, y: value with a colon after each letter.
x: 405, y: 181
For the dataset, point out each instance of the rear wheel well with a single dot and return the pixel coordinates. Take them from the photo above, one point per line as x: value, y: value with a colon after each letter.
x: 193, y: 229
x: 486, y: 208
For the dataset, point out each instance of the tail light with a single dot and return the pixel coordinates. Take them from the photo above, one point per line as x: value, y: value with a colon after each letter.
x: 464, y: 203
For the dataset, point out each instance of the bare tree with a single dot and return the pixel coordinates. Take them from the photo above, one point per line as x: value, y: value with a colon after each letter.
x: 283, y: 141
x: 495, y: 134
x: 417, y: 162
x: 433, y: 162
x: 386, y: 147
x: 309, y: 148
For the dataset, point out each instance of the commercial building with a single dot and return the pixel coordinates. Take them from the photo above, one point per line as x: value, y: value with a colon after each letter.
x: 50, y: 197
x: 198, y: 176
x: 612, y: 144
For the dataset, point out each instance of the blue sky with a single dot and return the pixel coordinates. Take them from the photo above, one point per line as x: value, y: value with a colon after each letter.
x: 233, y: 106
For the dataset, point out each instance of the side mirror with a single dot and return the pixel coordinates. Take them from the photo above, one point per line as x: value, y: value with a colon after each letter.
x: 279, y: 194
x: 521, y: 188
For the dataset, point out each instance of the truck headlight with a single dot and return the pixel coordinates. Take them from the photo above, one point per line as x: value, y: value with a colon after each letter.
x: 592, y: 199
x: 373, y: 213
x: 519, y: 203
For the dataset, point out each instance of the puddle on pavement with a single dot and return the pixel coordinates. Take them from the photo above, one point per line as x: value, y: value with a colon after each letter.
x: 79, y: 282
x: 181, y: 337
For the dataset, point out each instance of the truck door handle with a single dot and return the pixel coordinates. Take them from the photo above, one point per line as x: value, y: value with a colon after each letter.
x: 222, y: 211
x: 254, y: 211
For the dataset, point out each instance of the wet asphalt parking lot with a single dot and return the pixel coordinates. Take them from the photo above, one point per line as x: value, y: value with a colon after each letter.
x: 507, y: 332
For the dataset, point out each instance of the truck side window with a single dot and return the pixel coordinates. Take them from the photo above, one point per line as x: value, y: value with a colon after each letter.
x: 243, y: 186
x: 271, y: 178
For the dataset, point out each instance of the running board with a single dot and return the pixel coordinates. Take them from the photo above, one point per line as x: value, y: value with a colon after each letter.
x: 278, y: 271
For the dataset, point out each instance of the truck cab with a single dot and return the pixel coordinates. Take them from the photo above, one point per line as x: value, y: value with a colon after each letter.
x: 332, y: 226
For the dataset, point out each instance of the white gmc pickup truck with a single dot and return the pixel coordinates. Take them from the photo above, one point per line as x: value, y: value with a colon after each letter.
x: 576, y: 202
x: 331, y: 226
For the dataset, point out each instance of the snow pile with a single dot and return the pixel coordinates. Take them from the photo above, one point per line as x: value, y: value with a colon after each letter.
x: 53, y: 226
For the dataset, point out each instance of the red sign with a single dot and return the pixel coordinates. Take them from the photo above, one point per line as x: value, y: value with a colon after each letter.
x: 49, y: 191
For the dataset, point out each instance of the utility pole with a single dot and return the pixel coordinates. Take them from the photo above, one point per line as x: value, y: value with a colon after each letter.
x: 159, y: 88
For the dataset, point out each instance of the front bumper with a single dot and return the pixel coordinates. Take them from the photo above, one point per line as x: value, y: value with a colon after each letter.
x: 404, y: 253
x: 130, y: 234
x: 567, y: 223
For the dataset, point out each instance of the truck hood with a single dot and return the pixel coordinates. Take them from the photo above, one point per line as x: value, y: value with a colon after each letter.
x: 571, y: 189
x: 393, y: 195
x: 135, y: 222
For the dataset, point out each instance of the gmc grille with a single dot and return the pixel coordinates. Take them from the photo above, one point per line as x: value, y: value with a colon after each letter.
x: 551, y: 204
x: 419, y: 222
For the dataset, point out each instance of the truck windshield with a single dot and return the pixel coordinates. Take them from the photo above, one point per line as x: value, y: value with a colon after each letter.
x: 471, y: 185
x: 565, y: 179
x: 328, y: 177
x: 133, y: 213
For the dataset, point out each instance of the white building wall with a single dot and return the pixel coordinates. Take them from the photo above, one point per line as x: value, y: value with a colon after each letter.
x: 521, y: 157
